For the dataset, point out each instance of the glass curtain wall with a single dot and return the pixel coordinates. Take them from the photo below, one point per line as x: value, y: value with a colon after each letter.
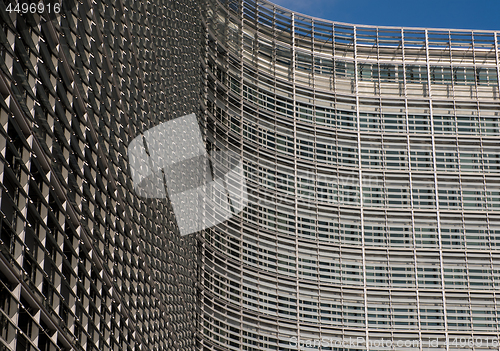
x: 373, y: 163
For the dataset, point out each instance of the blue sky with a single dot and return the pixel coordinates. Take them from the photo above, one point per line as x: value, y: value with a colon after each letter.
x: 458, y: 14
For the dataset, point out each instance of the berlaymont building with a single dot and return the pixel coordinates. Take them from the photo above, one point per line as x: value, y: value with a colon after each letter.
x: 370, y: 180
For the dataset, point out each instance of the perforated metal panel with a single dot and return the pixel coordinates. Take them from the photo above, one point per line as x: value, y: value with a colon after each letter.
x: 372, y: 156
x: 85, y: 263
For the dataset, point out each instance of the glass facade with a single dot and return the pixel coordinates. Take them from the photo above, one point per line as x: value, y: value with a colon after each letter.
x: 85, y: 263
x: 373, y: 164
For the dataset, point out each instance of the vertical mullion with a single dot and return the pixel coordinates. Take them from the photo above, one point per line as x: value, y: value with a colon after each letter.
x: 360, y: 175
x: 415, y: 265
x: 316, y: 177
x: 436, y: 190
x: 295, y: 151
x: 333, y: 58
x: 497, y: 59
x: 241, y: 119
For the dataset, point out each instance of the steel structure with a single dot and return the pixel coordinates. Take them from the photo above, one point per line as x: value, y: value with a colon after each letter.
x: 373, y: 164
x: 85, y: 263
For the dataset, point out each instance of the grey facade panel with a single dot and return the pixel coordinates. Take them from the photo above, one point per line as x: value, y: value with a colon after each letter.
x: 372, y: 163
x: 86, y: 264
x: 371, y: 159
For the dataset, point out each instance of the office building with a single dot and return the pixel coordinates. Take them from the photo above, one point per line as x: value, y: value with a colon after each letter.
x: 87, y: 264
x: 373, y: 159
x: 372, y: 165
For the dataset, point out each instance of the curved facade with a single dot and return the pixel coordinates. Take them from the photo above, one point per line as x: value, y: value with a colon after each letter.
x: 372, y: 156
x: 372, y: 165
x: 85, y: 263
